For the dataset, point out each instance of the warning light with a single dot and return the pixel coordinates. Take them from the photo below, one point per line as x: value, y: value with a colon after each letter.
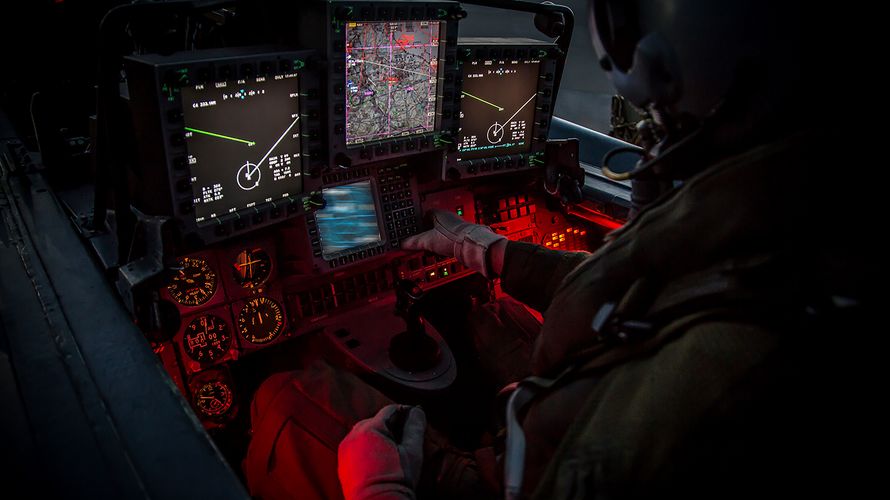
x: 460, y: 211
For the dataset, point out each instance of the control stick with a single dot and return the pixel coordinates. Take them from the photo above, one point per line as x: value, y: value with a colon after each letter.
x: 412, y: 350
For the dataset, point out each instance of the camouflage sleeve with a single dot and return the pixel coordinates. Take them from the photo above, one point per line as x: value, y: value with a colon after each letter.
x: 532, y: 273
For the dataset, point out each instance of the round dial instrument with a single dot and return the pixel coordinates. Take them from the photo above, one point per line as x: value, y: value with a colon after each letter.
x: 214, y: 398
x: 260, y: 320
x: 206, y: 338
x: 194, y: 283
x: 252, y: 267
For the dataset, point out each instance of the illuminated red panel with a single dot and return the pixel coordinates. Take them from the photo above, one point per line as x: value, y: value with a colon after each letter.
x: 595, y: 216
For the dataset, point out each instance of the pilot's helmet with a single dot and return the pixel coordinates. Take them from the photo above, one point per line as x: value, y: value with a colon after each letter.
x: 682, y: 58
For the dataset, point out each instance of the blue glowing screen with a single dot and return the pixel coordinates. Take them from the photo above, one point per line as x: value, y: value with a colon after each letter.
x: 349, y: 219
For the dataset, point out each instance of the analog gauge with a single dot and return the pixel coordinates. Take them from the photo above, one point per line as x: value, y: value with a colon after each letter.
x: 206, y: 338
x: 260, y: 320
x: 194, y: 282
x: 252, y: 267
x: 213, y: 398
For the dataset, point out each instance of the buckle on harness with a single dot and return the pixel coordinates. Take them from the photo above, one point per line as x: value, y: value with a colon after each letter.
x: 608, y: 327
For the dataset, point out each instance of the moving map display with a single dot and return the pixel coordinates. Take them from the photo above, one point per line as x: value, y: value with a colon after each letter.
x: 393, y: 78
x: 243, y: 139
x: 497, y: 108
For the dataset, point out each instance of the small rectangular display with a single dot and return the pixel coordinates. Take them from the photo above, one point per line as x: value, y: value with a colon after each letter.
x: 393, y: 79
x: 243, y: 140
x: 497, y: 108
x: 348, y: 222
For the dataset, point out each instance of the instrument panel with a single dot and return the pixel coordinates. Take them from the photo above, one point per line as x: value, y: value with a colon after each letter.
x: 229, y: 302
x: 207, y: 338
x: 506, y: 94
x: 291, y: 175
x: 194, y: 282
x: 279, y: 288
x: 252, y: 267
x: 391, y: 79
x: 235, y: 130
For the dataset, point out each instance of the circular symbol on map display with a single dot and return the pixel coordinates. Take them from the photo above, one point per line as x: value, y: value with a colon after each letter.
x: 249, y: 176
x: 495, y: 133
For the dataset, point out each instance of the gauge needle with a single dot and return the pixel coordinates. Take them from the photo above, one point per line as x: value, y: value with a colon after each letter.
x: 249, y: 265
x: 260, y: 316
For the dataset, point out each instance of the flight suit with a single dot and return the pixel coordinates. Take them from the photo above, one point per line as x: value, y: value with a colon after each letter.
x: 708, y: 399
x: 724, y: 395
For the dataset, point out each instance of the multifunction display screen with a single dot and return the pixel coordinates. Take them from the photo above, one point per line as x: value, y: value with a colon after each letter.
x: 497, y: 107
x: 243, y: 139
x: 348, y: 222
x: 393, y: 79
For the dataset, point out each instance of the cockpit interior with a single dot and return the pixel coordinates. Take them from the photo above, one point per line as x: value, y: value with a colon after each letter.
x: 217, y: 191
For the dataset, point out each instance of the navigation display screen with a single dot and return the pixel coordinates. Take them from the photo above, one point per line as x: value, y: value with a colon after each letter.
x: 497, y: 108
x: 348, y: 222
x: 393, y: 78
x: 243, y: 140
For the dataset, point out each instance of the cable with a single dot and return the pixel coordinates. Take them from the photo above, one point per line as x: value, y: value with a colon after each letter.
x: 618, y: 176
x: 649, y: 164
x: 188, y: 26
x: 555, y: 192
x: 34, y: 122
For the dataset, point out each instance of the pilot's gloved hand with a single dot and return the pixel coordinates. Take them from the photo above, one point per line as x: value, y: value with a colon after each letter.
x: 452, y: 236
x: 381, y: 457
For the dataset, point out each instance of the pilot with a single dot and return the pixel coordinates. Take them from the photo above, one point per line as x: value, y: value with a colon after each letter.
x: 678, y: 359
